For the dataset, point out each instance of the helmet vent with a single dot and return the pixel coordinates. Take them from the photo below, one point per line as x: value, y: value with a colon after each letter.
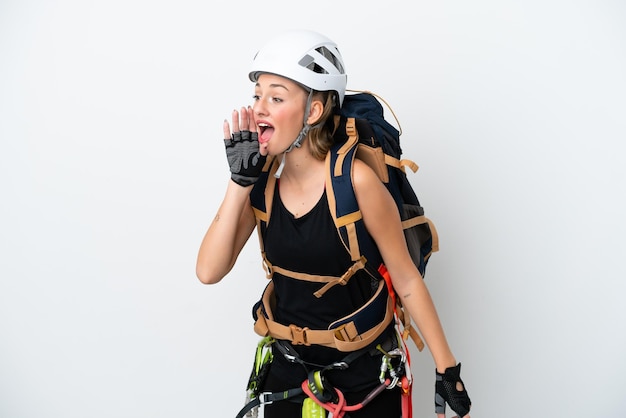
x: 310, y: 62
x: 332, y: 57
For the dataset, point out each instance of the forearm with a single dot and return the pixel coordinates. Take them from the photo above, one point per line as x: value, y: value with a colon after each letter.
x: 228, y: 232
x: 416, y: 299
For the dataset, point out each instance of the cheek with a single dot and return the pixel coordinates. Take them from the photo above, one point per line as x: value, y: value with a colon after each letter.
x: 291, y: 122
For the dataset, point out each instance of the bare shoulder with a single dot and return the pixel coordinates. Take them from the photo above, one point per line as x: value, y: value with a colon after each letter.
x: 363, y: 176
x: 370, y: 191
x: 379, y: 210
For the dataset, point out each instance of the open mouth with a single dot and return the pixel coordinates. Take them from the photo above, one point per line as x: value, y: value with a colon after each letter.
x: 265, y: 132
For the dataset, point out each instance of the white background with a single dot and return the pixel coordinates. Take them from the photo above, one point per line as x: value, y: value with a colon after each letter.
x: 112, y: 167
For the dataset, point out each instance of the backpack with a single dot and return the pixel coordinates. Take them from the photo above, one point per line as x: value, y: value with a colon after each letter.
x: 360, y: 131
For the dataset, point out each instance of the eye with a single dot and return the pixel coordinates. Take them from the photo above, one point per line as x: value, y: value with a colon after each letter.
x: 276, y: 99
x: 256, y: 97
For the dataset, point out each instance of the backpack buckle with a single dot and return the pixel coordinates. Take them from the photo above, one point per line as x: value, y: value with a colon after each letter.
x: 298, y: 335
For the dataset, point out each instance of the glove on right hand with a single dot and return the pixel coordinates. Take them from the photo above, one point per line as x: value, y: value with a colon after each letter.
x: 244, y: 158
x: 446, y: 390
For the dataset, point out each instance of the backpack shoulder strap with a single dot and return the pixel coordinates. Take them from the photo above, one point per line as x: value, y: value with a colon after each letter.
x: 261, y: 198
x: 340, y: 193
x: 342, y: 201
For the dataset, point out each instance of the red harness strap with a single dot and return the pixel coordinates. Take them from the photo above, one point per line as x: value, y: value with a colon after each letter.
x: 407, y: 404
x: 407, y: 384
x: 340, y: 408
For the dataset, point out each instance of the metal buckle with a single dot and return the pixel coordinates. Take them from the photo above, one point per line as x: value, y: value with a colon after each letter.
x: 264, y: 398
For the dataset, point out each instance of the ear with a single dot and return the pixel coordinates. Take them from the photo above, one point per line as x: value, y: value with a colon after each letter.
x: 316, y: 111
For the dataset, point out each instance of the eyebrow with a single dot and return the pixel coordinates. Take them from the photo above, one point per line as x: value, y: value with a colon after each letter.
x: 275, y: 86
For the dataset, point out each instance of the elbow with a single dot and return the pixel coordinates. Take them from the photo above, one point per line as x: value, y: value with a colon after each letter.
x: 212, y: 268
x: 207, y: 276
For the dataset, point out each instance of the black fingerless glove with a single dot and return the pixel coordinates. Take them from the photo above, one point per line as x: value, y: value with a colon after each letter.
x: 244, y: 158
x: 446, y: 391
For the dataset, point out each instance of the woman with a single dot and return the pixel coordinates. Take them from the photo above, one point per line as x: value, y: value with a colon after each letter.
x: 299, y: 81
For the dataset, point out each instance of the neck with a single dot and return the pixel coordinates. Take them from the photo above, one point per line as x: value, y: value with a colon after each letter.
x: 301, y: 167
x: 302, y: 183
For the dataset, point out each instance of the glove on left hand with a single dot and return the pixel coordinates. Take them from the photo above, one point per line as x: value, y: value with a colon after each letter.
x: 450, y: 388
x: 244, y: 158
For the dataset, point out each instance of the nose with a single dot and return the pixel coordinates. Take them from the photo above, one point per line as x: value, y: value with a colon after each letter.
x: 258, y: 108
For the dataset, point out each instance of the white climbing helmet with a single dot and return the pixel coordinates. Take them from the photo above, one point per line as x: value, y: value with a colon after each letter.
x: 306, y: 57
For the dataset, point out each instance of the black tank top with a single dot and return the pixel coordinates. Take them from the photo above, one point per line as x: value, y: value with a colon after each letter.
x: 310, y: 244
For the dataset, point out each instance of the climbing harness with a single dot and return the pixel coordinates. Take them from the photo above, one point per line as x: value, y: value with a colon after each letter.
x: 320, y: 396
x: 392, y: 374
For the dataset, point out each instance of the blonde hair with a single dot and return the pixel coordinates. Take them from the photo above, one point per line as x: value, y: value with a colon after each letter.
x: 321, y: 136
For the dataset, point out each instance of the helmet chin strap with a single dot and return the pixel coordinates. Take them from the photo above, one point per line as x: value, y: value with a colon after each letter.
x: 297, y: 143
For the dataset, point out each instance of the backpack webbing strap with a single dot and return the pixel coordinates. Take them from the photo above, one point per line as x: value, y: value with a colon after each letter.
x: 296, y: 335
x: 401, y: 164
x: 434, y: 237
x: 409, y: 330
x: 342, y: 152
x: 360, y: 264
x: 350, y: 333
x: 419, y: 220
x: 329, y: 280
x: 338, y: 176
x: 262, y: 214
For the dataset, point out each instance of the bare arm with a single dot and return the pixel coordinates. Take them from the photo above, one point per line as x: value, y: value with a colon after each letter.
x: 234, y: 221
x: 226, y: 236
x: 383, y: 222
